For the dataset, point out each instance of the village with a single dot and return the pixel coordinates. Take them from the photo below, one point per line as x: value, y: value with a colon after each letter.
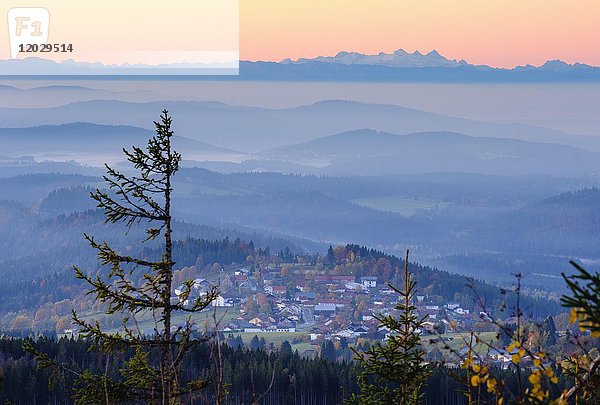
x: 308, y: 305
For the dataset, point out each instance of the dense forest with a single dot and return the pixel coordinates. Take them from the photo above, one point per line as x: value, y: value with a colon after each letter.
x: 279, y: 376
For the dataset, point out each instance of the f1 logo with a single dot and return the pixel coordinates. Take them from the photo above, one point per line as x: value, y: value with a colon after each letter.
x: 27, y: 25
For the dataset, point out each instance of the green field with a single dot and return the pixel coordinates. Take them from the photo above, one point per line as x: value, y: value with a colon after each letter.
x: 403, y: 205
x: 457, y: 341
x: 224, y: 315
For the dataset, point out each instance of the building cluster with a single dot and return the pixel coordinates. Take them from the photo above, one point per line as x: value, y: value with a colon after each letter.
x: 291, y: 297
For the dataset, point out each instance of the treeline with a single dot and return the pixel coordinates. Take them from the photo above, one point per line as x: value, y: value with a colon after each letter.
x: 279, y: 377
x: 203, y: 252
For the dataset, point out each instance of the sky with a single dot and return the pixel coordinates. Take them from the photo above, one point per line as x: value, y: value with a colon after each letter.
x: 501, y: 33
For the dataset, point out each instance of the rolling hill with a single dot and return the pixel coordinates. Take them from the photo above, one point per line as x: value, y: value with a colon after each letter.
x: 93, y: 143
x: 368, y: 152
x: 253, y: 129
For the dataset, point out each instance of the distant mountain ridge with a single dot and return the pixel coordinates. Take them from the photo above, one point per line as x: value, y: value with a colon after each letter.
x: 369, y: 152
x: 336, y: 71
x: 402, y: 66
x: 399, y: 58
x: 402, y: 59
x: 398, y: 66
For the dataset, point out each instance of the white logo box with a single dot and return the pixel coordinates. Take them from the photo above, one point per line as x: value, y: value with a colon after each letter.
x: 119, y: 37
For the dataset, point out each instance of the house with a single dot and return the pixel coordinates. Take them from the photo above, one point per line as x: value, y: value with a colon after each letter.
x: 279, y: 290
x: 325, y: 308
x: 202, y: 286
x: 499, y: 358
x: 220, y: 301
x: 286, y: 327
x: 225, y: 282
x: 338, y: 302
x: 305, y: 297
x: 358, y: 330
x: 256, y: 321
x: 353, y: 286
x: 253, y: 329
x: 369, y: 281
x: 247, y: 286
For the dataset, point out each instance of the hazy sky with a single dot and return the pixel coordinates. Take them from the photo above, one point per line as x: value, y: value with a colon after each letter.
x: 501, y: 33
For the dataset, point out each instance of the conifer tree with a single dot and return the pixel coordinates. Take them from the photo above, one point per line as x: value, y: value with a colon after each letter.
x: 584, y: 302
x: 394, y: 372
x: 133, y: 287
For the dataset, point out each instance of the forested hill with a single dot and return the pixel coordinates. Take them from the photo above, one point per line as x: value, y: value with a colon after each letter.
x: 48, y: 279
x: 567, y: 224
x: 442, y: 285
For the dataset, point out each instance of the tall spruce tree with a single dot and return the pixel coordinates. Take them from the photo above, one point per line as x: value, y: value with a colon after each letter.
x: 394, y: 372
x: 133, y: 287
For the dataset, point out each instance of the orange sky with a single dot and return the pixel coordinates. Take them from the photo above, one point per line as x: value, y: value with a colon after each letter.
x: 500, y: 33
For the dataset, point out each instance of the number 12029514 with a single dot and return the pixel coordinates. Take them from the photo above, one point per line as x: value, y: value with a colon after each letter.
x: 35, y: 48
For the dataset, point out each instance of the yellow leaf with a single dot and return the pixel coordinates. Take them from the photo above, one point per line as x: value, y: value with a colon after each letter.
x: 573, y: 315
x: 534, y: 378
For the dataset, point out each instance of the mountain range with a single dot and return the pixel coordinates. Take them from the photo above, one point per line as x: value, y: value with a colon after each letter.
x: 398, y: 66
x: 402, y: 66
x: 338, y: 70
x: 399, y: 58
